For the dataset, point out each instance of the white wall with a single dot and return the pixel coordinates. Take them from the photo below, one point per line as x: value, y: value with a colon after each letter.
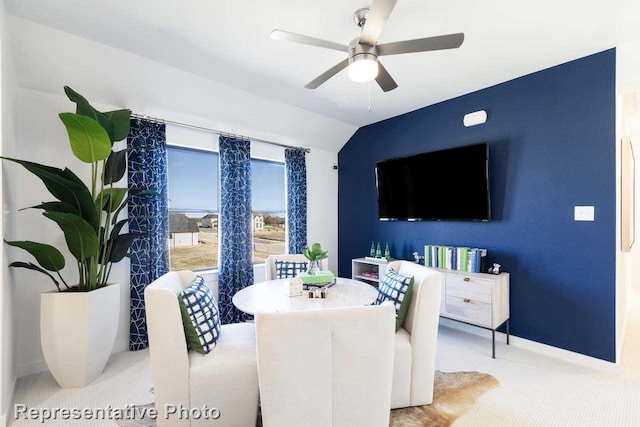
x: 8, y: 370
x: 42, y: 138
x: 322, y: 203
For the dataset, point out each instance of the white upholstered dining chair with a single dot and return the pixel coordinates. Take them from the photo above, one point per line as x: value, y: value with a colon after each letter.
x: 226, y: 378
x: 270, y: 263
x: 329, y: 367
x: 415, y: 342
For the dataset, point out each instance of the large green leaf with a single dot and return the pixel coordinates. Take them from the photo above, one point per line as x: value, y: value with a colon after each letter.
x: 47, y: 256
x: 82, y: 105
x: 89, y: 140
x: 121, y: 121
x: 118, y: 227
x: 69, y: 175
x: 55, y: 207
x: 30, y: 266
x: 115, y: 167
x: 80, y: 236
x: 65, y: 186
x: 102, y: 237
x: 116, y: 123
x: 83, y: 108
x: 120, y: 246
x: 120, y: 243
x: 111, y: 198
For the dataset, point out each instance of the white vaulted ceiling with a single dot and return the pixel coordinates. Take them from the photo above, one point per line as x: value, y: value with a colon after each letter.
x: 228, y: 41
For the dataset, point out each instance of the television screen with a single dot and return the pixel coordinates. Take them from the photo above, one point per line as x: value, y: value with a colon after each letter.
x: 451, y: 184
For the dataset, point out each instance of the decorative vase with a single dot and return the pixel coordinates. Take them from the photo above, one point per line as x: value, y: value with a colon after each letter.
x: 378, y: 251
x: 314, y: 267
x: 372, y: 251
x: 387, y: 253
x: 78, y: 330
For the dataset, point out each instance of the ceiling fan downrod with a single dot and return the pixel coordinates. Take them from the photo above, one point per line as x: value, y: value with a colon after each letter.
x: 360, y: 16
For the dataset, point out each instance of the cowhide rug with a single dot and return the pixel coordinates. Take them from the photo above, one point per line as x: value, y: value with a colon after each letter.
x: 454, y: 395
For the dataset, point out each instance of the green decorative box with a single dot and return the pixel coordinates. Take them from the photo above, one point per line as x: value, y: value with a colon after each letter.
x: 312, y: 279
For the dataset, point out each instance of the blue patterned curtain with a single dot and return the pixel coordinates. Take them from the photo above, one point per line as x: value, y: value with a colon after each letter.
x: 236, y: 251
x: 148, y: 214
x: 296, y: 169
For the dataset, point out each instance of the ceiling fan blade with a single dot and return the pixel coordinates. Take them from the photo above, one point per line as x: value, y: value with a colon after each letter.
x: 299, y: 38
x: 449, y: 41
x: 384, y: 79
x: 327, y: 74
x: 376, y: 18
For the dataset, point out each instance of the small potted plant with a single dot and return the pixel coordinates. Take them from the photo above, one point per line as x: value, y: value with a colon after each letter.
x: 314, y: 255
x: 78, y: 324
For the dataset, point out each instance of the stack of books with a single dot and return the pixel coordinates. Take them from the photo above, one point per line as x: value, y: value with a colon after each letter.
x: 455, y: 258
x: 323, y: 279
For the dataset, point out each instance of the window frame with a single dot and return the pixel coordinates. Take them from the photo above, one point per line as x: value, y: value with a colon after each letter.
x: 216, y: 151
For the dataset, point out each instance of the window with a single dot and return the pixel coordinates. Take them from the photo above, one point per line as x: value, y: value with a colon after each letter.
x: 268, y: 205
x: 193, y: 208
x: 193, y: 183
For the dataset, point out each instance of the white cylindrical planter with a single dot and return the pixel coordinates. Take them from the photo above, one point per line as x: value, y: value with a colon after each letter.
x: 78, y: 330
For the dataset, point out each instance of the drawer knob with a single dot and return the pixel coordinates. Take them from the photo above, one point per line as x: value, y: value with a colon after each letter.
x: 467, y: 300
x: 466, y: 279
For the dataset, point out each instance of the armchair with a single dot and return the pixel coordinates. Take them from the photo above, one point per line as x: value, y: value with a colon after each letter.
x: 328, y: 367
x: 226, y: 378
x: 415, y: 341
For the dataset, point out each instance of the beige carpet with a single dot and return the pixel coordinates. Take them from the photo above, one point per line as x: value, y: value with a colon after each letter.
x: 454, y: 394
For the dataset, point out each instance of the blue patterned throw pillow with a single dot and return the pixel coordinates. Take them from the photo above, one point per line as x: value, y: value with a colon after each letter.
x: 397, y: 288
x: 287, y: 269
x: 200, y: 316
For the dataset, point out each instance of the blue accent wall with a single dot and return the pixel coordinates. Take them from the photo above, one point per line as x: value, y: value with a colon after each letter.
x: 551, y: 141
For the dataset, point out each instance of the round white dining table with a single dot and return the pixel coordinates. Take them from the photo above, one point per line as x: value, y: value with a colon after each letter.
x: 270, y: 296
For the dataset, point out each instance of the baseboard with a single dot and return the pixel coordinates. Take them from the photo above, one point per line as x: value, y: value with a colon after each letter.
x: 32, y: 368
x: 536, y: 347
x: 620, y: 343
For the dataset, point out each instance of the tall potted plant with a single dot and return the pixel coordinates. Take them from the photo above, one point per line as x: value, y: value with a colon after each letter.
x: 78, y: 324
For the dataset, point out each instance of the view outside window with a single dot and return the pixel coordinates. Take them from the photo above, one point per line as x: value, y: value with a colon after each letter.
x: 268, y: 204
x: 193, y: 208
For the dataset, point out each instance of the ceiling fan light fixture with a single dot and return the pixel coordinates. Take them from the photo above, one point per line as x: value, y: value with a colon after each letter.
x: 362, y: 62
x: 363, y: 67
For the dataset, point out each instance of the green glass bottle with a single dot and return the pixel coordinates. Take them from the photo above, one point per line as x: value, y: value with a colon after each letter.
x: 387, y: 253
x: 378, y: 251
x: 372, y: 251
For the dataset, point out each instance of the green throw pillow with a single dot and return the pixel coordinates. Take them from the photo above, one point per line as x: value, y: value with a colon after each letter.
x: 398, y: 289
x: 200, y: 317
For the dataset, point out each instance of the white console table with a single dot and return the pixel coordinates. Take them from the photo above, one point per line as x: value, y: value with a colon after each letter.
x: 477, y: 299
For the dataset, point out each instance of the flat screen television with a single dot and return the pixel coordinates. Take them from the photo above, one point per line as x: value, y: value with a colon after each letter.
x: 443, y: 185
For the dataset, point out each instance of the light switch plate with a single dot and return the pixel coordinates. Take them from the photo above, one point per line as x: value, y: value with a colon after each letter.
x: 584, y: 213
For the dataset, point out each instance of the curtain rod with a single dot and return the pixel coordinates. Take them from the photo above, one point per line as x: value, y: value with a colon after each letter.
x: 221, y: 133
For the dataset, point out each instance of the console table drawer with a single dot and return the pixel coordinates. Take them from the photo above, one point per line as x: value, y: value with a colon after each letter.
x: 468, y: 310
x: 478, y: 299
x: 468, y: 287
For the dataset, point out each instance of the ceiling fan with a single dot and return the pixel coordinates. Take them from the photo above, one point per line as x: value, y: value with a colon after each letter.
x: 363, y: 52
